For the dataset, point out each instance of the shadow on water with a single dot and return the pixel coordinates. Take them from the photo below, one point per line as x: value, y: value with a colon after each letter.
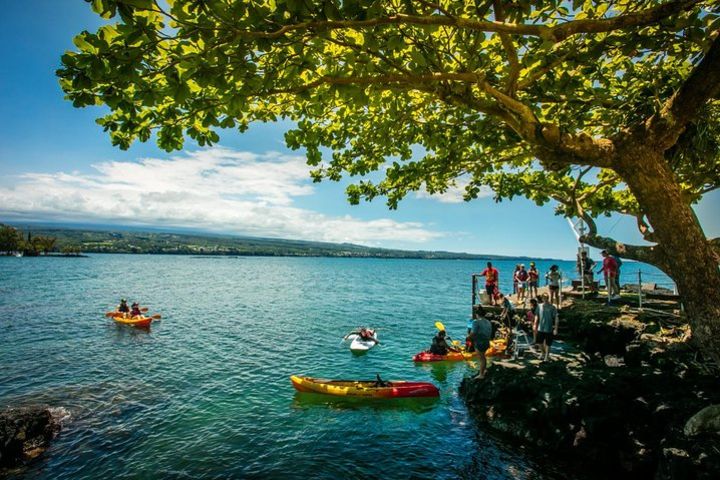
x: 133, y: 333
x: 439, y: 371
x: 306, y: 400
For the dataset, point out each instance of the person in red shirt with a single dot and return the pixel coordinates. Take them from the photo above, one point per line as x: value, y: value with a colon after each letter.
x: 610, y: 269
x: 491, y: 275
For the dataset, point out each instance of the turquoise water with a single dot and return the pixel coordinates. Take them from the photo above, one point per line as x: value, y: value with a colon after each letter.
x: 205, y: 393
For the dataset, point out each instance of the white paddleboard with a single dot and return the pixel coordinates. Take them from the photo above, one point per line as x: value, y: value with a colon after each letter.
x: 358, y: 344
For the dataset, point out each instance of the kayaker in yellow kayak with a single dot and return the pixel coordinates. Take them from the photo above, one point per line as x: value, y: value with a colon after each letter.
x: 135, y: 312
x: 123, y: 307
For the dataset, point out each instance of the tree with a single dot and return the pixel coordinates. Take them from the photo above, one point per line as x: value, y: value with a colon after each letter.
x: 44, y: 244
x: 604, y: 106
x: 10, y: 239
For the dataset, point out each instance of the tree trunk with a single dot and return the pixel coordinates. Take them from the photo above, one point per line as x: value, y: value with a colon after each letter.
x: 682, y: 244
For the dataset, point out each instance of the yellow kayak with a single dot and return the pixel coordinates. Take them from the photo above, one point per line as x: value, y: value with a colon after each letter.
x: 364, y: 388
x: 139, y: 321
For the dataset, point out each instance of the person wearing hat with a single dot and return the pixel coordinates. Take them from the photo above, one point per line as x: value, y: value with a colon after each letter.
x: 135, y: 312
x: 123, y: 307
x: 533, y: 276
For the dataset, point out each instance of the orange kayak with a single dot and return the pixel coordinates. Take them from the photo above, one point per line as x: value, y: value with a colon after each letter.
x: 139, y: 321
x: 497, y: 347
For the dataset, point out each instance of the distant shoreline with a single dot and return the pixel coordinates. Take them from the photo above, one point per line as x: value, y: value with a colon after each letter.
x: 86, y: 254
x: 124, y: 241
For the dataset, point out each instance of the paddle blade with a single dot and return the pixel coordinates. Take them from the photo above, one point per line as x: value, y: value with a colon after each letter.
x: 144, y: 309
x: 439, y: 325
x: 157, y: 316
x: 110, y: 314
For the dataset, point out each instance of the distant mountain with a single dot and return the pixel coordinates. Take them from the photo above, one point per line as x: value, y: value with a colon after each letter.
x: 114, y: 239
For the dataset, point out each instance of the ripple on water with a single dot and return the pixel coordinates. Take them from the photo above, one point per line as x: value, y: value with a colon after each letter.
x: 206, y: 392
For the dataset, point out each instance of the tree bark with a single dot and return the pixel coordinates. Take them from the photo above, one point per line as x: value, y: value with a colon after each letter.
x: 682, y: 244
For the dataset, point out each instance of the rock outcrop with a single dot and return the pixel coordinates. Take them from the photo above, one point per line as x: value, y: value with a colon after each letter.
x: 626, y: 403
x: 24, y: 434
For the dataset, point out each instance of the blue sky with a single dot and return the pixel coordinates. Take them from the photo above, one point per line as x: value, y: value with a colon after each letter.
x: 56, y: 164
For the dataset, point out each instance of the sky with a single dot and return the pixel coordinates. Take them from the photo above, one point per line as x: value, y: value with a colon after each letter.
x: 57, y: 165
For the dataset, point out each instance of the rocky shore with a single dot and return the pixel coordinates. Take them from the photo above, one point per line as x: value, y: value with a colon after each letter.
x: 630, y: 399
x: 25, y: 433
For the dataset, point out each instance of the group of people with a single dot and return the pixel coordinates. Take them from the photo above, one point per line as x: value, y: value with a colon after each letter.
x: 542, y: 316
x: 610, y: 268
x: 131, y: 311
x: 525, y: 284
x: 543, y: 319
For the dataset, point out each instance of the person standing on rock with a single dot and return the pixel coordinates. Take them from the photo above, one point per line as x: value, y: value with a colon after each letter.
x: 553, y: 278
x: 610, y: 269
x: 480, y: 333
x: 546, y: 323
x: 491, y: 275
x: 533, y: 276
x: 585, y: 267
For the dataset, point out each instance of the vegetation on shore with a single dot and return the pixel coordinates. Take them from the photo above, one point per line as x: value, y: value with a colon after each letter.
x: 14, y: 241
x: 96, y: 241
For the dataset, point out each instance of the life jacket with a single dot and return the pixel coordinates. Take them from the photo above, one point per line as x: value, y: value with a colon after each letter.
x: 439, y: 346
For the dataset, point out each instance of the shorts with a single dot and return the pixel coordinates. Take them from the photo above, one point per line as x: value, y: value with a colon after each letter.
x: 482, y: 345
x: 490, y: 290
x: 532, y: 283
x: 522, y: 285
x: 554, y: 288
x: 545, y: 337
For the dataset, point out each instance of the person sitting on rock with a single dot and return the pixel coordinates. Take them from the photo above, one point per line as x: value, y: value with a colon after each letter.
x: 508, y: 311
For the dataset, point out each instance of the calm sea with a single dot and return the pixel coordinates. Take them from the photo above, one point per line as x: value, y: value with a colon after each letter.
x: 206, y: 394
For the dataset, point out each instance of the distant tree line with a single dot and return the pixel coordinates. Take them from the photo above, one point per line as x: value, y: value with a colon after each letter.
x: 14, y: 241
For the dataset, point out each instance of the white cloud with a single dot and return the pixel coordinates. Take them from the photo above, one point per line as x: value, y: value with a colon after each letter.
x: 454, y: 193
x: 215, y: 189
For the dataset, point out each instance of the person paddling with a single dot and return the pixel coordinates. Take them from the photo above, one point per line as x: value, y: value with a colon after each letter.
x: 439, y: 344
x: 135, y: 312
x: 123, y: 307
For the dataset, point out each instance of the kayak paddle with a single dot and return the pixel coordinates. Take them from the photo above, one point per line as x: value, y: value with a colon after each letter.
x: 112, y: 314
x: 439, y: 325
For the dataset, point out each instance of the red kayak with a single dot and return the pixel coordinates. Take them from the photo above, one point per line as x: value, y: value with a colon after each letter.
x: 365, y: 388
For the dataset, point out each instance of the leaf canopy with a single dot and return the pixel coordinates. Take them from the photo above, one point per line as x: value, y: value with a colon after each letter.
x: 480, y: 88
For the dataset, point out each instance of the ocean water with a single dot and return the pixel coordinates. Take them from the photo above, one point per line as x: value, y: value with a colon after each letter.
x: 205, y: 393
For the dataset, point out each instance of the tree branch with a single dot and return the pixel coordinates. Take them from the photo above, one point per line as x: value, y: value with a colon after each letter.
x: 554, y: 33
x: 510, y: 51
x: 647, y: 254
x: 702, y: 85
